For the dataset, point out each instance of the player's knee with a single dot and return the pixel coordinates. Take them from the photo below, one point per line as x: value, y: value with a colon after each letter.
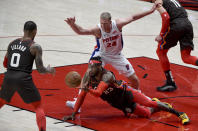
x: 142, y: 111
x: 146, y: 113
x: 134, y: 81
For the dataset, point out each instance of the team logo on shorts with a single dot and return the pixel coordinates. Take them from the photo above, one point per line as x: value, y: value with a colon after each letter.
x: 127, y: 66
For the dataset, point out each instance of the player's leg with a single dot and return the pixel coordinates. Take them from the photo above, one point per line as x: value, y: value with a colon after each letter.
x: 167, y: 42
x: 166, y: 107
x: 134, y: 81
x: 140, y: 98
x: 6, y: 92
x: 40, y: 115
x: 142, y: 111
x: 187, y: 58
x: 124, y: 67
x: 186, y: 44
x: 30, y: 95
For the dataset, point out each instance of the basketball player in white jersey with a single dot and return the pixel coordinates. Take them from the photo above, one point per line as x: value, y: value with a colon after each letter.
x: 109, y: 40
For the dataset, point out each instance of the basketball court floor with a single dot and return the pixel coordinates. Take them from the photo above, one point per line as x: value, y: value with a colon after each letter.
x: 66, y: 51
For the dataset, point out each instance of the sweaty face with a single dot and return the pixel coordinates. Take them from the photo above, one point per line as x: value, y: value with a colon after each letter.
x: 106, y: 25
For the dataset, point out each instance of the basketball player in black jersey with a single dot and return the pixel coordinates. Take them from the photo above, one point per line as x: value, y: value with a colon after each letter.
x: 102, y: 83
x: 18, y: 60
x: 175, y: 27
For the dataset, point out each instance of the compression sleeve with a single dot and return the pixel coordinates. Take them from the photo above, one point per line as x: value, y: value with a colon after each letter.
x: 79, y: 101
x: 101, y: 87
x: 5, y: 62
x: 165, y: 23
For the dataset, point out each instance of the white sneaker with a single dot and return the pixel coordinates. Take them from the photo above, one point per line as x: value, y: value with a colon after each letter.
x: 71, y: 104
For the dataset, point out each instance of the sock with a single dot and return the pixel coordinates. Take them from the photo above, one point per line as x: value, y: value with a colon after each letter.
x: 162, y: 55
x: 40, y: 116
x: 169, y: 77
x: 40, y: 119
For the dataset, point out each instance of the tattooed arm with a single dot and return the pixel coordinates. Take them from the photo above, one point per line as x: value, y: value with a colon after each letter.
x: 106, y: 80
x: 36, y: 50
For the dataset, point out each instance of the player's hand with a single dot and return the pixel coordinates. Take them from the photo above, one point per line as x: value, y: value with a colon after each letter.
x: 153, y: 8
x: 71, y: 117
x: 70, y: 21
x: 158, y: 38
x: 51, y: 70
x: 158, y: 3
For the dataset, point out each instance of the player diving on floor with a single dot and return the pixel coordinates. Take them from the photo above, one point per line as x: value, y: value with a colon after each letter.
x: 102, y: 83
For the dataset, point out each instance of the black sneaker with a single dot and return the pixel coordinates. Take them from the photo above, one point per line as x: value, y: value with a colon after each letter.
x: 168, y: 87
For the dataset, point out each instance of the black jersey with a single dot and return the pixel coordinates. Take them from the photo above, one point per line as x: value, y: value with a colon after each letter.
x: 174, y: 9
x: 19, y: 56
x: 114, y: 92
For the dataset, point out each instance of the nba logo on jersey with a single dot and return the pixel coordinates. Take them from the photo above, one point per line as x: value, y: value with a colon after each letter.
x: 127, y: 66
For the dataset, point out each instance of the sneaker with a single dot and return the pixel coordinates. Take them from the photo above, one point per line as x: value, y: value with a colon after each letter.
x: 71, y: 104
x: 167, y: 87
x: 184, y: 118
x: 169, y: 105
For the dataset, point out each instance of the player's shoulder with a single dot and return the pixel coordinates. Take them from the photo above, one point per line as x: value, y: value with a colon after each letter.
x: 35, y: 45
x: 35, y: 48
x: 108, y: 76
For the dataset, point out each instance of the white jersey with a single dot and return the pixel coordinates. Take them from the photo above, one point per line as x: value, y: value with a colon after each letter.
x: 110, y: 43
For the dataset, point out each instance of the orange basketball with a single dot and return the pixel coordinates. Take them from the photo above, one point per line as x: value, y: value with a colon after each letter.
x: 73, y: 79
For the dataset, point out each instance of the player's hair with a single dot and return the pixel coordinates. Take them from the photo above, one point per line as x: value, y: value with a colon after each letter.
x: 30, y: 26
x: 105, y: 16
x: 98, y: 58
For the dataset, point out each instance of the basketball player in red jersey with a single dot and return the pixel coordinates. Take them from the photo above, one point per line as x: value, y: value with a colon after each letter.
x: 18, y: 60
x: 102, y: 83
x: 108, y: 34
x: 175, y: 27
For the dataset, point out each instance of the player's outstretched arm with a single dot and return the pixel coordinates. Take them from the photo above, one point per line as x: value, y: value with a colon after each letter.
x: 165, y: 20
x: 36, y: 50
x: 78, y: 29
x: 125, y: 21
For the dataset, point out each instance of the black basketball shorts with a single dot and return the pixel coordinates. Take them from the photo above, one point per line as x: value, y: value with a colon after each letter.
x: 22, y: 83
x: 180, y: 30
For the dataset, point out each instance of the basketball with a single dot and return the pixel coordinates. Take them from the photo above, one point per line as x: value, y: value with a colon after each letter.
x: 73, y: 79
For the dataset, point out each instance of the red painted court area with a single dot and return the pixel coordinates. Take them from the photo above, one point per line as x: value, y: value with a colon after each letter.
x: 98, y: 115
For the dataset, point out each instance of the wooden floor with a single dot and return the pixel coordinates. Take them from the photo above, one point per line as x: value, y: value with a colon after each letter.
x: 63, y: 47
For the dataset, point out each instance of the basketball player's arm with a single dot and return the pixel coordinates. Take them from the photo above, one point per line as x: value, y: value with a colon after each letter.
x: 103, y: 85
x: 82, y: 31
x: 165, y: 20
x: 5, y: 61
x: 80, y: 99
x: 36, y: 51
x: 122, y: 22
